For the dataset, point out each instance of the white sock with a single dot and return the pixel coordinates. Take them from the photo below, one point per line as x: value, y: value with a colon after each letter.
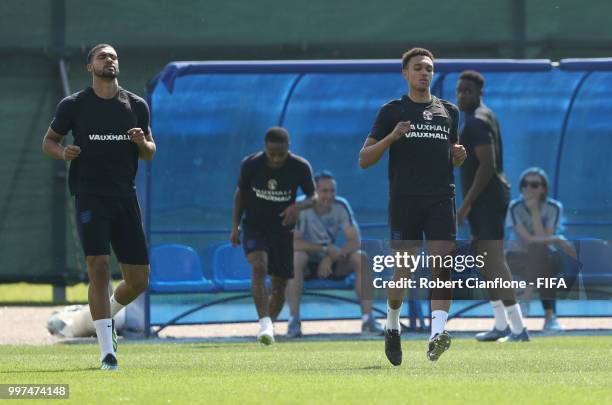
x: 265, y: 322
x: 501, y: 322
x: 365, y: 318
x: 393, y: 318
x: 515, y: 318
x: 115, y: 306
x: 438, y: 322
x: 104, y: 331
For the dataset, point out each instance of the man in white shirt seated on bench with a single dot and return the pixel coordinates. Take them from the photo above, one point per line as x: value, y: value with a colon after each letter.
x: 316, y: 254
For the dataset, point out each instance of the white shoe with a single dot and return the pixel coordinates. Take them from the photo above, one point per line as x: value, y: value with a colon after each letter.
x: 266, y: 335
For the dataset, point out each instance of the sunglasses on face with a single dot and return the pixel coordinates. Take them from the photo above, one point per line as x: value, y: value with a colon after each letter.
x: 531, y: 184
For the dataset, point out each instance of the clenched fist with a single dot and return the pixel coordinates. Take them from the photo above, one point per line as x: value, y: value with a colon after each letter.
x: 71, y: 152
x: 459, y: 154
x: 401, y: 128
x: 137, y: 135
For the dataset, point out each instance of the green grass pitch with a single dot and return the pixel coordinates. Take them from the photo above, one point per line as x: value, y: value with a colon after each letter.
x: 558, y: 370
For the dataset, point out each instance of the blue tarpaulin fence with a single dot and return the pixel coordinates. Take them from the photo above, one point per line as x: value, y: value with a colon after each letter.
x: 206, y: 116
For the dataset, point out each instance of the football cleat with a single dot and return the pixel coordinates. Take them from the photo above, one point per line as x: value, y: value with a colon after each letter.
x: 294, y: 328
x: 521, y: 337
x: 109, y: 363
x: 492, y: 335
x: 437, y: 345
x: 393, y: 346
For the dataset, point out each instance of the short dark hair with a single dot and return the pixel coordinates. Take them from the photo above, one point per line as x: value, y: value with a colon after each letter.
x: 277, y: 135
x: 323, y: 175
x: 474, y: 77
x: 415, y: 52
x: 93, y: 51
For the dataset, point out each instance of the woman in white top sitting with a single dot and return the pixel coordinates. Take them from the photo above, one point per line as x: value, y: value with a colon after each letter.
x: 535, y: 219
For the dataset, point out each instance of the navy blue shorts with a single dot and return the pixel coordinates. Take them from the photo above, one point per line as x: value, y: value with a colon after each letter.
x: 104, y: 221
x: 411, y: 217
x: 487, y: 224
x: 278, y: 245
x: 487, y: 217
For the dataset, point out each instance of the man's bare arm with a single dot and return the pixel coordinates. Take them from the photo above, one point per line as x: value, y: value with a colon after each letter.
x: 237, y: 211
x: 290, y: 214
x: 238, y: 207
x: 299, y: 244
x: 486, y: 168
x: 145, y: 143
x: 372, y: 149
x: 353, y: 240
x: 52, y: 146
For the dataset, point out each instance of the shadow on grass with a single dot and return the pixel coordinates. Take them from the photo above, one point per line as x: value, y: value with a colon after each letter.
x: 62, y: 370
x: 205, y: 347
x: 367, y: 368
x: 375, y: 368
